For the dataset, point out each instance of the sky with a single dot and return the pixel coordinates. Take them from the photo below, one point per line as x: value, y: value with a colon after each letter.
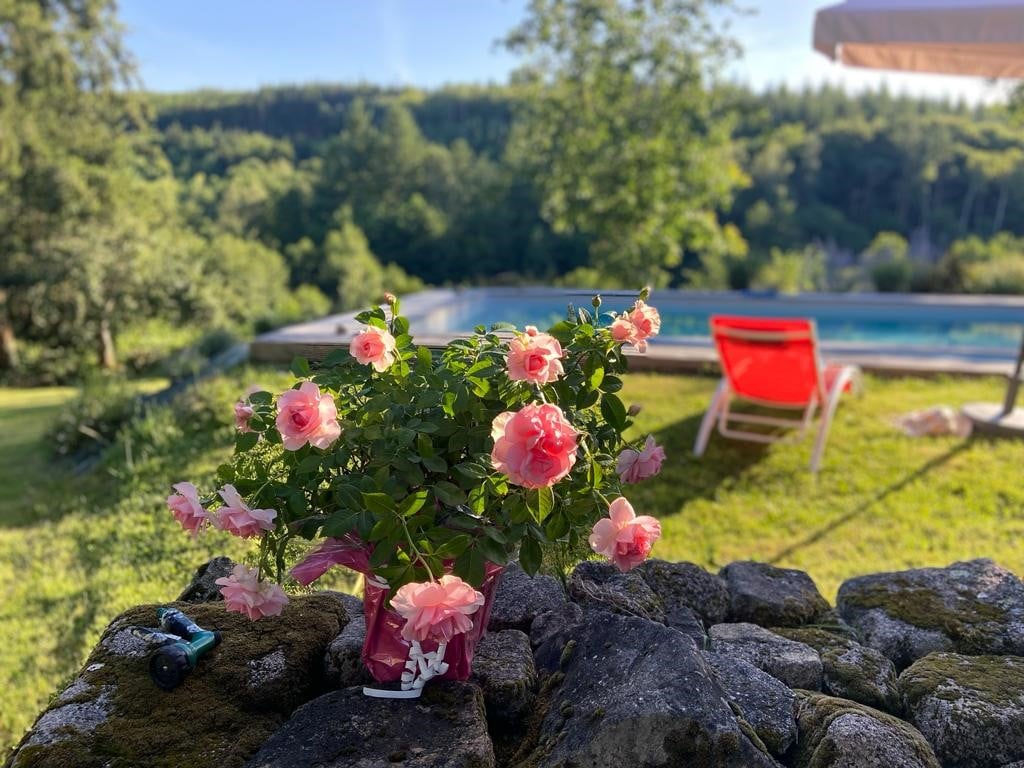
x: 245, y: 44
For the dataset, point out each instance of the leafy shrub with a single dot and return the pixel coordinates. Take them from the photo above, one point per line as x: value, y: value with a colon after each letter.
x: 92, y: 420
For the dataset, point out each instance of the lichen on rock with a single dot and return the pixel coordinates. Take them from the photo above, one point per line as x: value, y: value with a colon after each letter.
x: 971, y: 708
x: 973, y: 607
x: 849, y: 669
x: 838, y: 733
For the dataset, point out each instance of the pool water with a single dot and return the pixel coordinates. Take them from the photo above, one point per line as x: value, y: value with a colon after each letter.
x: 889, y: 323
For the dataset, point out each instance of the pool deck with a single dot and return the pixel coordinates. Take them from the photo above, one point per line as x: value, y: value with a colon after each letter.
x: 314, y: 340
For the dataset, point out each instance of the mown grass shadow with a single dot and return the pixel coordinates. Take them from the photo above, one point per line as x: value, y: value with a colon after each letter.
x: 685, y: 477
x: 866, y: 507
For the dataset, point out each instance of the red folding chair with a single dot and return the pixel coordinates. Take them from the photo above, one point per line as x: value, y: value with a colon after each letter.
x: 773, y: 362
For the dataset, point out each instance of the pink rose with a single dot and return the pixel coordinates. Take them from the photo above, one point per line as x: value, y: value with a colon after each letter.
x: 184, y: 505
x: 306, y: 416
x: 646, y: 320
x: 243, y: 412
x: 238, y: 518
x: 437, y: 610
x: 243, y: 592
x: 535, y: 446
x: 624, y: 538
x: 534, y: 357
x: 637, y: 325
x: 375, y: 347
x: 623, y: 330
x: 634, y: 466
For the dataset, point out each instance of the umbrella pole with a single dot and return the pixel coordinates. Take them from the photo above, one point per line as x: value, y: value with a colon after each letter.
x: 1014, y: 385
x: 1005, y: 420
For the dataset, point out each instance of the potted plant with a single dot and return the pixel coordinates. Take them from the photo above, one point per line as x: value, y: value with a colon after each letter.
x: 429, y: 472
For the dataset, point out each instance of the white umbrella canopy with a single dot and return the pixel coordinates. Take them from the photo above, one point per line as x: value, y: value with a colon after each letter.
x: 984, y: 38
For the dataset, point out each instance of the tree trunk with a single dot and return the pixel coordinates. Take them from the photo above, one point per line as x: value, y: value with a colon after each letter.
x: 1004, y: 195
x: 108, y: 354
x: 9, y: 359
x: 965, y: 210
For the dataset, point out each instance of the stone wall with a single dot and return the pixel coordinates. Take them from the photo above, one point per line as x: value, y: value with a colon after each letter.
x: 668, y: 665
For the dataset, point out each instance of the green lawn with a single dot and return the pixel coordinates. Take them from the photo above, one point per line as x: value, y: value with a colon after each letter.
x: 881, y: 501
x: 74, y: 551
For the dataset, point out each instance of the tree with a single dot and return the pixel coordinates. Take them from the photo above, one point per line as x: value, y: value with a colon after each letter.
x: 625, y: 139
x: 70, y: 126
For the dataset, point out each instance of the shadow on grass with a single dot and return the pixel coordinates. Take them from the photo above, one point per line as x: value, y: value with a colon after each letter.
x: 863, y: 509
x: 685, y: 477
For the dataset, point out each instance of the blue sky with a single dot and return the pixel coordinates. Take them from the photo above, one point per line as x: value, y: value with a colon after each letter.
x: 240, y: 44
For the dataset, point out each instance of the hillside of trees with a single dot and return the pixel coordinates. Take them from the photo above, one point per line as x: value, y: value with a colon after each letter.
x: 135, y: 227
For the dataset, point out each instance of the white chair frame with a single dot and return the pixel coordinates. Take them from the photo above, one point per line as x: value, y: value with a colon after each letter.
x: 720, y: 409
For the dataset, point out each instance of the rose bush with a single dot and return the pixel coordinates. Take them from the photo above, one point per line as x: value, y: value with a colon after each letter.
x: 437, y: 464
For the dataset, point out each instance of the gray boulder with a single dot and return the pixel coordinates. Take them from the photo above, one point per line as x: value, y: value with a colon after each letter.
x: 203, y: 587
x: 343, y: 661
x: 519, y: 599
x: 504, y: 669
x: 759, y: 699
x: 851, y: 670
x: 238, y: 695
x: 636, y: 693
x: 762, y: 594
x: 601, y: 586
x: 973, y: 607
x: 837, y: 733
x: 688, y: 588
x: 795, y: 664
x: 971, y: 708
x: 551, y: 632
x: 445, y: 728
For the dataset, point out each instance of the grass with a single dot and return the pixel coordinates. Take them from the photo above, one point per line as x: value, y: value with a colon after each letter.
x: 881, y: 501
x: 75, y: 551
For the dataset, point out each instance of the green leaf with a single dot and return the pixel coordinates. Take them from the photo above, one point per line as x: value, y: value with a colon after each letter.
x: 424, y: 359
x: 472, y: 470
x: 530, y: 556
x: 261, y: 398
x: 336, y: 357
x: 300, y: 367
x: 611, y: 384
x: 384, y: 528
x: 412, y: 503
x: 455, y: 546
x: 613, y: 411
x: 563, y: 330
x: 503, y: 327
x: 541, y: 505
x: 492, y: 551
x: 379, y: 503
x: 449, y: 494
x: 340, y: 523
x: 401, y: 326
x: 309, y: 464
x: 435, y: 463
x: 245, y: 441
x: 470, y: 566
x: 557, y: 526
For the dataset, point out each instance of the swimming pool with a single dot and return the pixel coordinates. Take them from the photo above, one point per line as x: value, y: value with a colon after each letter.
x: 984, y: 326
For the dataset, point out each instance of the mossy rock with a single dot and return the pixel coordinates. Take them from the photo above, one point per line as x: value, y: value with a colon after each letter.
x: 971, y: 708
x: 836, y: 732
x: 849, y: 669
x: 974, y: 607
x: 239, y: 694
